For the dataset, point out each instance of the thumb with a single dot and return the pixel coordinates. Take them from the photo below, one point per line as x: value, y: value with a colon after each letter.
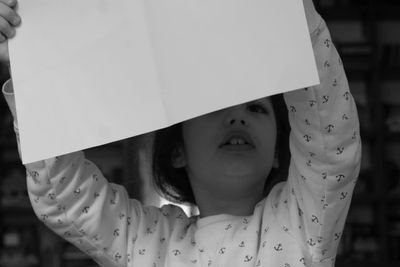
x: 4, y: 56
x: 313, y: 18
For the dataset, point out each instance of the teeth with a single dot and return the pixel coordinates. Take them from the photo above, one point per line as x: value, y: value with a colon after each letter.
x: 237, y: 141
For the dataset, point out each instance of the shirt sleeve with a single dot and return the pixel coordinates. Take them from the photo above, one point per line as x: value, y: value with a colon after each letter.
x: 325, y: 146
x: 72, y: 197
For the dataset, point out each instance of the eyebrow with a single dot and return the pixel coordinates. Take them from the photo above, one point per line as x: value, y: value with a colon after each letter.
x: 264, y: 100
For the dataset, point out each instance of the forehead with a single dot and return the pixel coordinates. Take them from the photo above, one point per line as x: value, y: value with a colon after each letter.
x: 264, y: 100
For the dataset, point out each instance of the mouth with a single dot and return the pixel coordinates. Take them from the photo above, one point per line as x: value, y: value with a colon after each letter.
x: 237, y: 141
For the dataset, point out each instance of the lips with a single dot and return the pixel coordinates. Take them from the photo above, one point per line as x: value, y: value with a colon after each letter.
x: 237, y: 140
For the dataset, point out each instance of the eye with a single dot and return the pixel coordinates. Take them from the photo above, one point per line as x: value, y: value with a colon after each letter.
x: 257, y: 107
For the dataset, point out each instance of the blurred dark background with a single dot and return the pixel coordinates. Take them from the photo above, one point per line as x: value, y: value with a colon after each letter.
x: 367, y: 35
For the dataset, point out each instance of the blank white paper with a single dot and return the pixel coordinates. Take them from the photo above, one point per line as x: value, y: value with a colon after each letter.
x: 86, y: 73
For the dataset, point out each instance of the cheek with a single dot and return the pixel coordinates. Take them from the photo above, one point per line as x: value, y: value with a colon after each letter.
x: 196, y: 138
x: 269, y: 140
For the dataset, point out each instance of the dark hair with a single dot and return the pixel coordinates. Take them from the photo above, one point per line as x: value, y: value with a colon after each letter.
x: 173, y: 183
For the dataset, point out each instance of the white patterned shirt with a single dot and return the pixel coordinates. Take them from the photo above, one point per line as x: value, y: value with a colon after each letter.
x: 298, y: 224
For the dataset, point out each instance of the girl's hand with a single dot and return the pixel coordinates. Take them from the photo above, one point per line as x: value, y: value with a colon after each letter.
x: 8, y: 20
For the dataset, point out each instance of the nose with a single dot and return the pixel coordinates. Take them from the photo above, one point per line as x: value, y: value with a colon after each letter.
x: 236, y: 116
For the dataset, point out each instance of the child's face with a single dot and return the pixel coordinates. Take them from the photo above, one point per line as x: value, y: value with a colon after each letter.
x: 230, y: 149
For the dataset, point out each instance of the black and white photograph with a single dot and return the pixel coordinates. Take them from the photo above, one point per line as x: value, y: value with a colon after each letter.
x: 199, y: 133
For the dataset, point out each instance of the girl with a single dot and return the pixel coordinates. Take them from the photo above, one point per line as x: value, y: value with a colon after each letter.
x: 221, y: 162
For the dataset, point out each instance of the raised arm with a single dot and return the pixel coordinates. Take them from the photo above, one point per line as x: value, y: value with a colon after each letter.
x: 70, y: 195
x: 326, y: 150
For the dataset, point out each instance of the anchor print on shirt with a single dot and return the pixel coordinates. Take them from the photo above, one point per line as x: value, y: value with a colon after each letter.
x: 77, y: 191
x: 329, y: 128
x: 116, y: 232
x: 149, y: 230
x: 314, y: 219
x: 44, y: 217
x: 278, y: 247
x: 339, y: 150
x: 312, y: 102
x: 229, y: 226
x: 85, y: 209
x: 117, y: 257
x: 346, y: 95
x: 340, y: 177
x: 176, y: 252
x: 311, y: 242
x: 248, y: 258
x: 337, y: 235
x: 327, y: 43
x: 354, y: 136
x: 300, y: 212
x: 307, y: 138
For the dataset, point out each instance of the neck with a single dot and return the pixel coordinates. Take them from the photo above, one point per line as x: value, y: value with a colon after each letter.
x: 237, y: 203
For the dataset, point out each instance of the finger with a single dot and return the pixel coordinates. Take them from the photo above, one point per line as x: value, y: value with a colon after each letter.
x: 10, y: 3
x: 9, y: 14
x: 6, y: 29
x: 2, y: 38
x: 4, y: 56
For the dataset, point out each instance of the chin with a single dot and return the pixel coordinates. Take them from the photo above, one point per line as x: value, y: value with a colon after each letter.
x: 239, y: 170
